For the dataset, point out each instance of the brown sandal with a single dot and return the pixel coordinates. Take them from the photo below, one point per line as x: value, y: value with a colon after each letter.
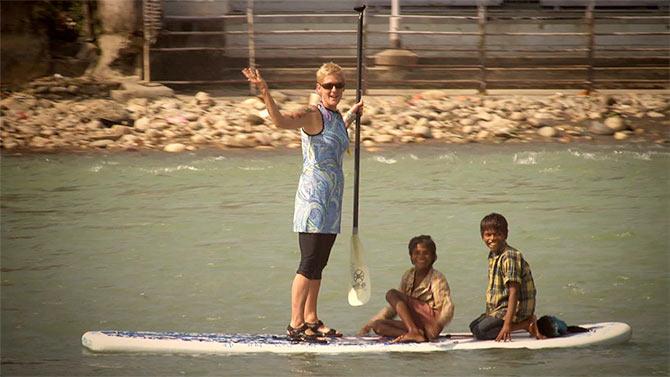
x: 296, y: 333
x: 315, y: 326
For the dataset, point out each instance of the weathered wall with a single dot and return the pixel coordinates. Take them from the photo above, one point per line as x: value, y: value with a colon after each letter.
x: 29, y: 48
x: 120, y: 42
x: 24, y: 46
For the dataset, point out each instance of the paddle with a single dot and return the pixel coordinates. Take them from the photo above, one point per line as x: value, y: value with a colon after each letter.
x: 359, y: 293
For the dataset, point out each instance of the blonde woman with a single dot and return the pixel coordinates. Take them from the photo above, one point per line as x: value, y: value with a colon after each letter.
x: 318, y: 201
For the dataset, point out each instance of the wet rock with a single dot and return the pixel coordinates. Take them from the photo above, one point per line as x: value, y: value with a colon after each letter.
x: 539, y: 120
x: 422, y: 131
x: 103, y: 143
x: 616, y: 123
x: 39, y: 142
x: 621, y: 135
x: 483, y: 134
x: 174, y: 148
x: 547, y: 132
x: 263, y: 139
x: 598, y: 128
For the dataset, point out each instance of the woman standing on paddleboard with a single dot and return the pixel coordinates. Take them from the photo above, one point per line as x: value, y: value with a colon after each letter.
x: 318, y: 201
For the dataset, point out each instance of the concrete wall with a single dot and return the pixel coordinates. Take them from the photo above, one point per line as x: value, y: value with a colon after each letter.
x: 120, y: 16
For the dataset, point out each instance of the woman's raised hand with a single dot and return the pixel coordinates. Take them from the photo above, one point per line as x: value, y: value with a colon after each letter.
x: 254, y: 77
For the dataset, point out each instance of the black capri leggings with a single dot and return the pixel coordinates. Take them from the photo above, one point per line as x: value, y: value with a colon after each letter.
x: 314, y: 252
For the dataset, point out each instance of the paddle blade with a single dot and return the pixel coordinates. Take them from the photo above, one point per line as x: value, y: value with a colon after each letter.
x: 359, y: 293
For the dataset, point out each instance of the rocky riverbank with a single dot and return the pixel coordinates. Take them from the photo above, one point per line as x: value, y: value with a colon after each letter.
x: 82, y: 118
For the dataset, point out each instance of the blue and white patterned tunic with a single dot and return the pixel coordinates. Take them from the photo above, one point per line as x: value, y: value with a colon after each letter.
x: 318, y: 202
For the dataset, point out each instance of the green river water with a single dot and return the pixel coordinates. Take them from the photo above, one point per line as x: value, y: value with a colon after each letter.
x: 202, y: 242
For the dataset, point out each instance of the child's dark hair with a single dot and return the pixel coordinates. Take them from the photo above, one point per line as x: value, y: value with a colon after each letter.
x: 426, y: 241
x: 493, y: 221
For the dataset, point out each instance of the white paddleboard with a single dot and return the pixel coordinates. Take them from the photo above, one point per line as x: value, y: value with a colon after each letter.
x: 606, y: 333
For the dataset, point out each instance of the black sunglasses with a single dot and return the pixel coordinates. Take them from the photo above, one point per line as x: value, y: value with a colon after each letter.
x: 330, y: 85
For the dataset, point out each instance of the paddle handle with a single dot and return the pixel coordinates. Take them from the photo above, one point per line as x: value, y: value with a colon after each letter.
x: 359, y: 94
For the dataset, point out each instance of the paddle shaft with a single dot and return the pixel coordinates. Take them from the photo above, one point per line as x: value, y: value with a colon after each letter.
x: 359, y: 84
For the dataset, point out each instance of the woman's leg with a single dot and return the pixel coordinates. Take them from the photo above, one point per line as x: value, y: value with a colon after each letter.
x: 324, y: 244
x: 313, y: 287
x: 314, y: 253
x: 299, y: 293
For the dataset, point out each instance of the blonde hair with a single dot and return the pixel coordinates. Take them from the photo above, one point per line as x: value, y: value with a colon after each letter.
x: 328, y: 69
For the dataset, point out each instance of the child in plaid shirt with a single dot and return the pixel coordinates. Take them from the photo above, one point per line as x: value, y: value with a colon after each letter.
x: 510, y: 294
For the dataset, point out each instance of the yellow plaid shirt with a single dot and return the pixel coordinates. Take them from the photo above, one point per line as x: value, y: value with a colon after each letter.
x: 509, y: 266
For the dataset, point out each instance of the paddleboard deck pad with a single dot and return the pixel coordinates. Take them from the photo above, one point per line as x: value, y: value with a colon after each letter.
x: 606, y: 333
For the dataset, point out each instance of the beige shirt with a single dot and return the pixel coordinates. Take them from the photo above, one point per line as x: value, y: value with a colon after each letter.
x: 433, y: 290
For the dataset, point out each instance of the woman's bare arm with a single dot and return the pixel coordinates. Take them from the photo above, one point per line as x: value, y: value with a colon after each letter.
x: 309, y: 119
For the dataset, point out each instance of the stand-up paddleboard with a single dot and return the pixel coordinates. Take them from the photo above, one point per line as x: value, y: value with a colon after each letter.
x: 606, y: 333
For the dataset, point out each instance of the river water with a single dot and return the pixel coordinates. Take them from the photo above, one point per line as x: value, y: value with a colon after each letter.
x: 202, y: 242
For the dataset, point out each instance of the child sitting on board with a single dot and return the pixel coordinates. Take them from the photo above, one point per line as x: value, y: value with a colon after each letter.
x: 510, y: 293
x: 423, y: 301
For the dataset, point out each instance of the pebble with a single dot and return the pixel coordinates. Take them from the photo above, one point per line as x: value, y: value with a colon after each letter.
x: 547, y: 132
x: 174, y: 148
x: 616, y: 123
x: 598, y: 128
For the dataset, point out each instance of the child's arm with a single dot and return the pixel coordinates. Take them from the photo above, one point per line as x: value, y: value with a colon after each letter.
x: 442, y: 295
x: 505, y: 333
x: 386, y: 313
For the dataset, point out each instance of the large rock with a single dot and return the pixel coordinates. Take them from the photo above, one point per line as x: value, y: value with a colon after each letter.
x: 198, y: 139
x: 597, y: 128
x: 422, y: 131
x: 136, y: 89
x: 547, y: 132
x: 174, y: 148
x: 104, y: 143
x: 616, y: 123
x: 621, y: 135
x: 255, y: 120
x: 142, y: 124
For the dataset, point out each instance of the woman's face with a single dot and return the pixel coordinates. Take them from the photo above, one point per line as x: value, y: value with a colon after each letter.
x: 330, y: 90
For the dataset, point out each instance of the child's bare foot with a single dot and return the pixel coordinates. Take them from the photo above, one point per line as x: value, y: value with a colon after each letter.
x: 410, y: 337
x: 533, y: 330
